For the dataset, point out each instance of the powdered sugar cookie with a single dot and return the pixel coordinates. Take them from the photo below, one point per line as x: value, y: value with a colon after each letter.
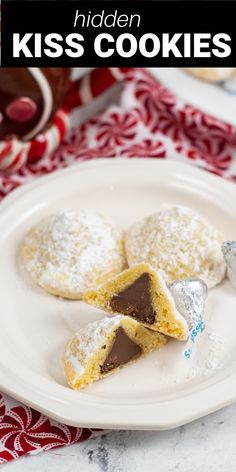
x: 71, y: 251
x: 179, y: 242
x: 212, y: 74
x: 104, y: 346
x: 141, y: 294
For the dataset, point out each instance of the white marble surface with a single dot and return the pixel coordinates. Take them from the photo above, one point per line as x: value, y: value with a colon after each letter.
x: 207, y: 445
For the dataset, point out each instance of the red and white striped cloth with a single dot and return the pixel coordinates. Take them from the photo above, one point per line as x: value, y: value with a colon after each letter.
x: 149, y: 121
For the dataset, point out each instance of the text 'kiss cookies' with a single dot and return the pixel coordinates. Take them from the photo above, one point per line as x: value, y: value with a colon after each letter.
x: 102, y: 347
x: 71, y: 251
x: 179, y: 242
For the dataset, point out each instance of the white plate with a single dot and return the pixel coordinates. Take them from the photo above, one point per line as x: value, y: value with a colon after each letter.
x: 218, y: 100
x: 162, y: 391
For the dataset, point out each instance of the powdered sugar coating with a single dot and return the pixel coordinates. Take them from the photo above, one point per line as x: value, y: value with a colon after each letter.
x: 71, y: 251
x: 179, y: 242
x: 89, y: 339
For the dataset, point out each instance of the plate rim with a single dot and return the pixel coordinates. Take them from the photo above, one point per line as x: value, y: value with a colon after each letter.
x: 155, y: 415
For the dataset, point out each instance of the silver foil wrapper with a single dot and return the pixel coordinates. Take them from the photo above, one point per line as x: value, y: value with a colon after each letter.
x: 189, y: 297
x: 229, y: 252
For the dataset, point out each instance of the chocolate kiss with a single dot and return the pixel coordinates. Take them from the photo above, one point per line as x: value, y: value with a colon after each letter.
x: 189, y: 296
x: 136, y: 300
x: 122, y: 351
x: 229, y: 253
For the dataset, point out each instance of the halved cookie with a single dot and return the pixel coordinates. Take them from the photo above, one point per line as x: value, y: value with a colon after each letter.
x: 142, y: 294
x: 102, y: 347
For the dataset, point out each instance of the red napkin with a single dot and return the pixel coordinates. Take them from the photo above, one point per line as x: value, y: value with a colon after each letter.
x: 150, y: 121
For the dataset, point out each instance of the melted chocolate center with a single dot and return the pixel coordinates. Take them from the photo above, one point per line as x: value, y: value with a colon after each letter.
x: 136, y: 300
x: 122, y: 351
